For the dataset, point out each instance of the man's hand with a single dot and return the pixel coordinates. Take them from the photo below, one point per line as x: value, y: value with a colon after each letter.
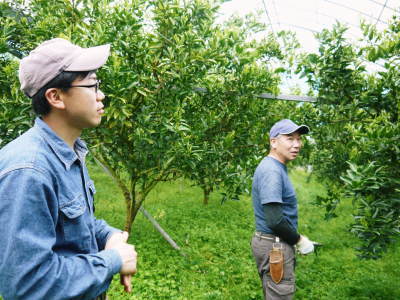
x: 118, y: 241
x: 126, y: 281
x: 116, y: 238
x: 304, y: 245
x: 128, y: 256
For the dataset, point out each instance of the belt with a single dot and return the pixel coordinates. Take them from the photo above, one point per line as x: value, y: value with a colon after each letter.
x: 266, y: 236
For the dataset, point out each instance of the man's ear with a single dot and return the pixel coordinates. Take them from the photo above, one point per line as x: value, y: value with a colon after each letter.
x: 273, y: 142
x: 54, y: 97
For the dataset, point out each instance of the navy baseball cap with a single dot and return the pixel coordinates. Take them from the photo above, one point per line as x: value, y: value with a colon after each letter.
x: 287, y: 126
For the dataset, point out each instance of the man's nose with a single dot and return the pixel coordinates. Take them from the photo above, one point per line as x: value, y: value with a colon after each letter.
x: 297, y: 143
x: 100, y: 95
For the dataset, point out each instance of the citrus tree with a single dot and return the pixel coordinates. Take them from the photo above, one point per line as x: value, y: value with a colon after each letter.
x: 15, y: 116
x: 157, y: 126
x: 356, y: 130
x: 228, y: 122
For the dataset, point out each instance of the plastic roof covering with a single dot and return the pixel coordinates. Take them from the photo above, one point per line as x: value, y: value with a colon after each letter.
x: 307, y: 17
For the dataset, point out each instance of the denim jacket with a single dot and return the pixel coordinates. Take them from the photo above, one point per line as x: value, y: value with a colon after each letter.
x: 51, y: 245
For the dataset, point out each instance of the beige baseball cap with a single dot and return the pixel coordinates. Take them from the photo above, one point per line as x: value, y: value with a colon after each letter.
x: 54, y: 56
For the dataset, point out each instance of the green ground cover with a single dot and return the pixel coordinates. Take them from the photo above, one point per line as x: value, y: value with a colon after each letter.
x: 219, y: 263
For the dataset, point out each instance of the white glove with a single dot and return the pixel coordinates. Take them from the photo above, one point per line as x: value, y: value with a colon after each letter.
x: 304, y: 245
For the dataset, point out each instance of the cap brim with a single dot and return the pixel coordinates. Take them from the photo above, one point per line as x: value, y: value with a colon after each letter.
x: 302, y: 129
x: 90, y: 59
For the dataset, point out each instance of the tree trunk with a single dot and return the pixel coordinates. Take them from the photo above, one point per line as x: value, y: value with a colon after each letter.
x: 206, y: 195
x: 132, y: 209
x: 131, y: 213
x: 130, y: 217
x: 131, y: 203
x: 128, y: 222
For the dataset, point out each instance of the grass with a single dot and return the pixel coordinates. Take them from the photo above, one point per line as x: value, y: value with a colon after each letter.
x: 216, y: 241
x: 219, y: 263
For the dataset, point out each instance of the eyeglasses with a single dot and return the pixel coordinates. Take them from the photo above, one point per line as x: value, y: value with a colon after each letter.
x: 95, y: 86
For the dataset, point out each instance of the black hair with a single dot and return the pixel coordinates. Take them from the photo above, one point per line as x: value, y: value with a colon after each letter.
x: 62, y: 81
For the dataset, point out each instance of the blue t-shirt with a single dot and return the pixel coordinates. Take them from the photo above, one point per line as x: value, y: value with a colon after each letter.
x: 272, y: 184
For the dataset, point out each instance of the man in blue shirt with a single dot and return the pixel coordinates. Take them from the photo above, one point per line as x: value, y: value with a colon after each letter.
x: 275, y: 210
x: 52, y: 246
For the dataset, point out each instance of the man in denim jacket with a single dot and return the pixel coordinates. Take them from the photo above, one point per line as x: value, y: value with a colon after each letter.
x: 52, y: 246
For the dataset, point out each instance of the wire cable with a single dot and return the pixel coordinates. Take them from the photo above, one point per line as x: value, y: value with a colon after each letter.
x: 353, y: 9
x: 269, y: 19
x: 391, y: 8
x: 383, y: 8
x: 276, y: 13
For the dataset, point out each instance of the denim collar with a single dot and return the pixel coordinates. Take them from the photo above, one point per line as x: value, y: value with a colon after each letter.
x: 64, y: 153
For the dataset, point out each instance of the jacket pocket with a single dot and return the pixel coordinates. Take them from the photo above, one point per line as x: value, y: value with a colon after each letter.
x: 75, y: 223
x: 74, y: 208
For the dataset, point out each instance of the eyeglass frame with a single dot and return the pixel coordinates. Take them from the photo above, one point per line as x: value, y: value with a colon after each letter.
x: 95, y: 85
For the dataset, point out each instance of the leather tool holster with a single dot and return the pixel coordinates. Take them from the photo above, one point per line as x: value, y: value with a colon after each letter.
x: 276, y: 262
